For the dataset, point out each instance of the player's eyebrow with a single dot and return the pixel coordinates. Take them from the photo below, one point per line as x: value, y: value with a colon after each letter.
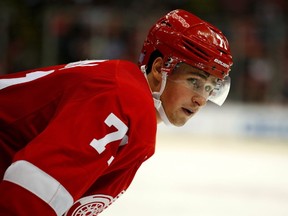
x: 204, y: 75
x: 201, y: 74
x: 195, y: 71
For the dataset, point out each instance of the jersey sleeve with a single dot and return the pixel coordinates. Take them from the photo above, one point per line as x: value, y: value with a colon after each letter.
x: 79, y: 144
x: 15, y: 200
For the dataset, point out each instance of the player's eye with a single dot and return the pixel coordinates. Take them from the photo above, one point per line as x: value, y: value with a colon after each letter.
x: 194, y: 82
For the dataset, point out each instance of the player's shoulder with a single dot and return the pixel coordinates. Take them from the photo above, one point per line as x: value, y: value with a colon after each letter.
x: 125, y: 72
x: 121, y: 65
x: 105, y: 66
x: 120, y: 62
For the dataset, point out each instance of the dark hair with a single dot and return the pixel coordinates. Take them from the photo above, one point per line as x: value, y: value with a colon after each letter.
x: 155, y: 54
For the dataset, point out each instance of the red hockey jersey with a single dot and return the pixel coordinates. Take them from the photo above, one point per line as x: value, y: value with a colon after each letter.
x: 72, y: 136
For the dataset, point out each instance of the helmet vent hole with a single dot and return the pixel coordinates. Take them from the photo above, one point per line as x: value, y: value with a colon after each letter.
x: 222, y: 51
x: 196, y: 50
x: 166, y: 23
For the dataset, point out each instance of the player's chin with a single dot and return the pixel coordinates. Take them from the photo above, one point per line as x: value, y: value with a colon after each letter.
x: 180, y: 121
x: 178, y: 124
x: 180, y: 117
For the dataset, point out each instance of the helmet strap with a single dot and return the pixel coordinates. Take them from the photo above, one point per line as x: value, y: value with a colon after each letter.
x: 156, y: 97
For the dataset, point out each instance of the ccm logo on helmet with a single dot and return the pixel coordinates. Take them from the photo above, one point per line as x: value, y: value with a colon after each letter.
x: 181, y: 20
x: 221, y: 63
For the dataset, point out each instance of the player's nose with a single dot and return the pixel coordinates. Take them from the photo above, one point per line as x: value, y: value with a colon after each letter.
x: 199, y: 100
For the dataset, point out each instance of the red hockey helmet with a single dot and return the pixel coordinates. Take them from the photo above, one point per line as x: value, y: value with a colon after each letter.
x: 183, y: 37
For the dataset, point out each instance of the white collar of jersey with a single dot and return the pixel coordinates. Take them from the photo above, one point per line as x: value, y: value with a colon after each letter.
x: 156, y: 97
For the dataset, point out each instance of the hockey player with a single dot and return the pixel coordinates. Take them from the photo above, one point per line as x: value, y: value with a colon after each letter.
x: 73, y: 136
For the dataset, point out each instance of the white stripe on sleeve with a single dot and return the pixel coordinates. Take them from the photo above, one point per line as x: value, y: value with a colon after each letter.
x: 43, y: 185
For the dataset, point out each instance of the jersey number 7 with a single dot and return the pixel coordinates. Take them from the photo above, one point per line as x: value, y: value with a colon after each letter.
x: 112, y: 120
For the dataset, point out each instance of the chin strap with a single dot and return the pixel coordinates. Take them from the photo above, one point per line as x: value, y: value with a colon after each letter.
x: 157, y: 95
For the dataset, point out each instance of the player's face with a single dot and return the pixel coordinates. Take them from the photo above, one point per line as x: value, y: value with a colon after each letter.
x: 187, y: 90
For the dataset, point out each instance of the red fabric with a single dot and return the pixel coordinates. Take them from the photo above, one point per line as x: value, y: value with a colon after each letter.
x: 15, y: 201
x: 52, y: 120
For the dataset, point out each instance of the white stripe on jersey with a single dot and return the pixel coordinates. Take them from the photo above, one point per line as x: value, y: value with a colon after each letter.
x: 43, y: 185
x: 4, y: 83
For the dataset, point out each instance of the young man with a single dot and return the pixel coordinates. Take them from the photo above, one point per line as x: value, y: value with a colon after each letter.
x: 73, y: 136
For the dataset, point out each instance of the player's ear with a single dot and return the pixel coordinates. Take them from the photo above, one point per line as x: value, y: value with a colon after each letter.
x: 156, y: 68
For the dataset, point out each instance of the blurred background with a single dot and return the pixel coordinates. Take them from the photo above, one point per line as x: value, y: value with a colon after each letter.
x: 230, y: 160
x: 37, y: 33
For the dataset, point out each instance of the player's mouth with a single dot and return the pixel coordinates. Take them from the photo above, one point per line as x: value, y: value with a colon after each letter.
x: 188, y: 112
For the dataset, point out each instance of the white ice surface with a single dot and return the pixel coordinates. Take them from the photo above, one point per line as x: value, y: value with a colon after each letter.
x: 200, y: 176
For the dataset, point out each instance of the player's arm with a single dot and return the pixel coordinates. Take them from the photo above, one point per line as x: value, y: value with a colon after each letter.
x: 16, y: 200
x: 59, y: 165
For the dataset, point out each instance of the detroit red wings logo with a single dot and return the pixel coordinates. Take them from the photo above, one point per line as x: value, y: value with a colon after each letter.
x: 91, y: 205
